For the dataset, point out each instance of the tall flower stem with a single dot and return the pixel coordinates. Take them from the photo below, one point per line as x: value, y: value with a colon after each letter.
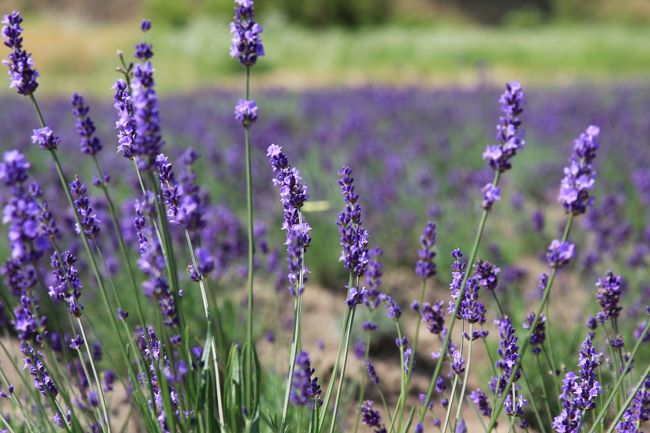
x: 362, y: 389
x: 251, y: 253
x: 335, y: 369
x: 343, y: 368
x: 464, y: 386
x: 619, y: 382
x: 409, y: 373
x: 210, y: 323
x: 627, y: 402
x: 461, y: 294
x: 526, y: 343
x: 401, y: 401
x: 121, y: 243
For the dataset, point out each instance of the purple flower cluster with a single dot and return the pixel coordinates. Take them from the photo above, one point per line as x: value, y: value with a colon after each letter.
x: 371, y: 417
x: 373, y: 275
x: 125, y: 124
x: 579, y: 175
x: 538, y: 334
x: 638, y: 413
x: 45, y: 138
x: 34, y: 362
x: 559, y: 253
x: 87, y: 217
x: 509, y: 356
x: 579, y: 393
x: 90, y: 144
x: 246, y: 34
x: 491, y: 195
x: 509, y: 135
x: 480, y: 399
x: 148, y: 140
x: 486, y: 274
x: 66, y: 286
x: 354, y: 237
x: 305, y: 390
x: 426, y: 267
x: 609, y: 289
x: 433, y: 315
x: 143, y: 50
x: 22, y: 75
x: 246, y: 112
x: 293, y: 194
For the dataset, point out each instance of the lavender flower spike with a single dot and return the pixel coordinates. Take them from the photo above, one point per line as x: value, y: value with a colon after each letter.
x: 609, y: 292
x: 509, y: 135
x: 559, y: 253
x: 148, y: 140
x: 90, y: 144
x: 305, y: 389
x: 22, y: 75
x: 425, y: 266
x: 246, y: 112
x: 354, y: 237
x: 246, y: 34
x: 579, y: 175
x: 293, y: 194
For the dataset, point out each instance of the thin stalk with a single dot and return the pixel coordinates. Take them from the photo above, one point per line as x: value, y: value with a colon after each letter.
x: 122, y: 244
x: 401, y: 402
x: 251, y: 253
x: 208, y: 318
x: 464, y: 386
x: 451, y: 403
x: 296, y: 338
x: 362, y: 388
x: 343, y: 367
x: 533, y: 403
x: 100, y: 391
x: 622, y: 410
x: 461, y: 294
x: 544, y: 393
x: 608, y: 402
x: 526, y: 343
x: 332, y: 381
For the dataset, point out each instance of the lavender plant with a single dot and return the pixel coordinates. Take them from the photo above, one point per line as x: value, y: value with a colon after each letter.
x: 181, y: 372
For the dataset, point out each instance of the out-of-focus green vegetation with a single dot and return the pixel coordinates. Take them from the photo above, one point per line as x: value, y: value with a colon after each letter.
x: 77, y: 55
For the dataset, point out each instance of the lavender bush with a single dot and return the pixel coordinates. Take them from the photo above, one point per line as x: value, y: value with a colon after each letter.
x: 120, y: 302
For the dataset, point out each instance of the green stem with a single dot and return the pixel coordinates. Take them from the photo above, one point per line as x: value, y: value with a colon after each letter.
x: 635, y: 390
x: 461, y: 294
x: 526, y: 343
x: 343, y: 367
x: 610, y: 398
x: 208, y: 319
x: 362, y: 389
x: 469, y: 363
x: 251, y: 254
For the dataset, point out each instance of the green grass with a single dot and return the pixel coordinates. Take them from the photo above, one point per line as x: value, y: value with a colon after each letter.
x: 74, y: 55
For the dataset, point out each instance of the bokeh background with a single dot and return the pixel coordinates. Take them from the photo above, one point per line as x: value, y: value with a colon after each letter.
x: 404, y: 91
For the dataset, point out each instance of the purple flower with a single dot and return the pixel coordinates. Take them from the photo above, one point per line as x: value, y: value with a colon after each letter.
x: 305, y: 390
x: 579, y: 176
x: 426, y: 266
x: 87, y: 217
x: 374, y: 272
x: 66, y: 286
x: 538, y: 334
x: 509, y: 135
x: 13, y: 168
x: 293, y: 194
x: 148, y: 140
x: 579, y: 393
x: 354, y: 237
x: 22, y: 75
x: 457, y: 360
x: 372, y: 373
x: 246, y: 112
x: 246, y: 34
x: 125, y: 124
x: 393, y: 310
x: 90, y: 144
x: 485, y: 274
x: 480, y: 399
x: 145, y: 25
x: 559, y: 253
x: 45, y: 138
x: 491, y: 194
x: 434, y: 317
x: 371, y: 417
x: 42, y: 381
x: 638, y: 412
x: 509, y: 356
x: 609, y: 289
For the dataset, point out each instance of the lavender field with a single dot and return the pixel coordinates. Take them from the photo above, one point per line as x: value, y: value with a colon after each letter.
x: 365, y: 259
